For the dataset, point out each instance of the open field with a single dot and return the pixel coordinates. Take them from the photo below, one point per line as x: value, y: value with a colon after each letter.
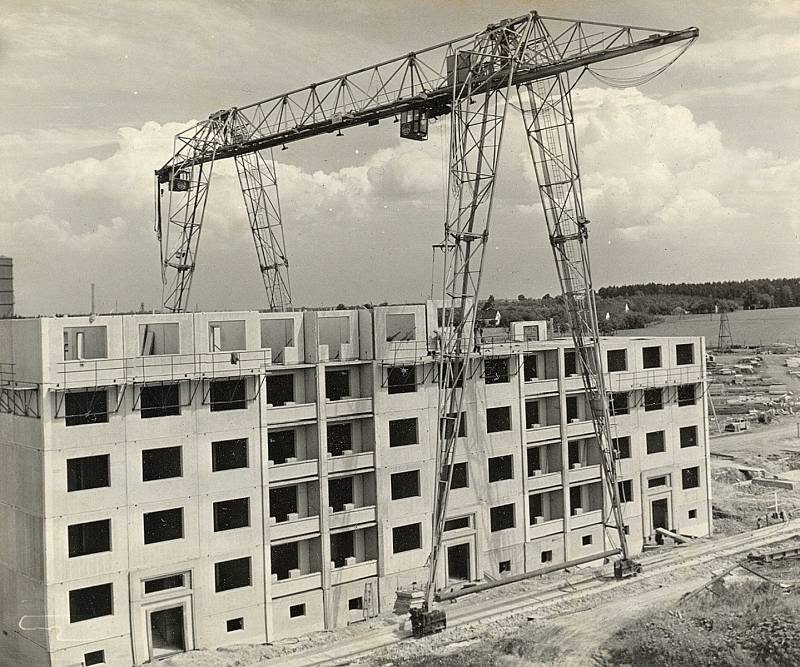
x: 748, y: 327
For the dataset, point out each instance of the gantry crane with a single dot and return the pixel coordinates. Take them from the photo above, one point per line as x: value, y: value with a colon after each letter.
x: 530, y: 64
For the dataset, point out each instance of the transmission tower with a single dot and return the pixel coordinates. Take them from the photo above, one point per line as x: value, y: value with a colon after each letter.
x: 724, y: 341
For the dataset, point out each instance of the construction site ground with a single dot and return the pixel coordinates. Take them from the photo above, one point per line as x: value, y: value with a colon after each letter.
x: 570, y: 617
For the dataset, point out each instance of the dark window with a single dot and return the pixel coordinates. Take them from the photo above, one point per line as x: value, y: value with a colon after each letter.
x: 160, y: 400
x: 534, y: 460
x: 622, y: 446
x: 86, y: 407
x: 574, y: 452
x: 164, y: 583
x: 547, y: 556
x: 337, y: 384
x: 403, y: 432
x: 405, y: 484
x: 655, y: 442
x: 94, y: 658
x: 534, y: 507
x: 401, y: 379
x: 655, y: 482
x: 88, y: 472
x: 651, y: 357
x: 692, y: 514
x: 459, y: 479
x: 572, y: 408
x: 570, y: 363
x: 462, y: 426
x: 456, y: 377
x: 234, y: 624
x: 284, y: 559
x: 532, y: 414
x: 161, y: 463
x: 617, y: 360
x: 229, y: 454
x: 497, y: 419
x: 407, y: 538
x: 529, y: 369
x: 653, y: 400
x: 495, y: 370
x: 231, y: 514
x: 575, y: 498
x: 342, y: 548
x: 89, y: 538
x: 340, y: 492
x: 90, y: 602
x: 228, y: 395
x: 625, y: 488
x: 684, y: 354
x: 231, y: 574
x: 689, y: 436
x: 690, y: 478
x: 280, y: 446
x: 686, y: 395
x: 456, y: 524
x: 282, y: 502
x: 504, y: 566
x: 280, y: 389
x: 163, y: 525
x: 355, y: 604
x: 586, y: 540
x: 501, y: 467
x: 340, y: 438
x: 297, y: 610
x: 501, y: 517
x: 618, y: 405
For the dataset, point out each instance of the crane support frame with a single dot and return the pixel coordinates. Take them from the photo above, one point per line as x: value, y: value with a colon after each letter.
x: 479, y: 107
x: 546, y: 107
x: 471, y: 79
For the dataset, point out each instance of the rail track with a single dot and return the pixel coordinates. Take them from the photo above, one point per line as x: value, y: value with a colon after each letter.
x: 469, y: 610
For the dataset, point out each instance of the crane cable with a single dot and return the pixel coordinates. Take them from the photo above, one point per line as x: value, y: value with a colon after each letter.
x: 627, y: 82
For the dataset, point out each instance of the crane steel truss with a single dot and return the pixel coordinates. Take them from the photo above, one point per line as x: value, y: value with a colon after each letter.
x: 479, y: 102
x: 259, y: 184
x: 469, y: 78
x: 416, y: 81
x: 546, y: 107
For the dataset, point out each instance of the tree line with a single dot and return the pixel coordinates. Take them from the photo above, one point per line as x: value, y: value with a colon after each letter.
x: 758, y: 293
x: 639, y: 305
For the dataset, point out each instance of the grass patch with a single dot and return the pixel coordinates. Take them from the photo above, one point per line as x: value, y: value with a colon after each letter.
x: 745, y: 623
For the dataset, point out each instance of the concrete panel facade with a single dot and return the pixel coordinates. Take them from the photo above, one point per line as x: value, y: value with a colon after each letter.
x: 238, y: 535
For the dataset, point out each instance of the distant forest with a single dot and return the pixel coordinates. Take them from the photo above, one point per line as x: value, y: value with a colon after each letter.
x: 636, y: 306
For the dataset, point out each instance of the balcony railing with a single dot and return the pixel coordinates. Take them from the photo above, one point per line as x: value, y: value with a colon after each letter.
x: 161, y: 368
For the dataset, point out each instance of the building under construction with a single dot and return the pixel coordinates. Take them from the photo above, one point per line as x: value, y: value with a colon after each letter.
x: 193, y: 480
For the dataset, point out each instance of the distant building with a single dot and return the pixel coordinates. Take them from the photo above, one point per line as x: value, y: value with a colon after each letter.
x: 180, y: 481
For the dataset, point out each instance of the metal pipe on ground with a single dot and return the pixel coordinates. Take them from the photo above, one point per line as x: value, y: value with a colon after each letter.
x: 452, y: 595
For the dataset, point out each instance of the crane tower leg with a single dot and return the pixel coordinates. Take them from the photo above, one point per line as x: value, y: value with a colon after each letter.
x: 186, y: 193
x: 546, y: 107
x: 481, y: 86
x: 259, y: 185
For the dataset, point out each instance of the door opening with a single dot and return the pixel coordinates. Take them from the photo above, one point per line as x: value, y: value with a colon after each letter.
x: 659, y: 515
x: 167, y: 632
x: 458, y: 563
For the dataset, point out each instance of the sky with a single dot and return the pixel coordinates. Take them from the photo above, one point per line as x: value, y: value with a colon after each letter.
x: 690, y: 177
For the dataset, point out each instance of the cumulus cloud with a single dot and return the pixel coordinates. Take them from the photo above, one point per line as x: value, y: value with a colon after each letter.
x: 669, y: 200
